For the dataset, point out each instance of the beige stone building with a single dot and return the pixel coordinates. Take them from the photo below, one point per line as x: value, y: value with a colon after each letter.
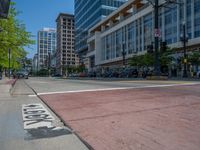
x: 65, y: 55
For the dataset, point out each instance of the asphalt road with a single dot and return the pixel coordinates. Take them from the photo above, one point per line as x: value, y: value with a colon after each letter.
x: 126, y: 115
x: 48, y: 85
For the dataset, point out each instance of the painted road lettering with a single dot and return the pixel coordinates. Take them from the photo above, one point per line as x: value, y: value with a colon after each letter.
x: 35, y: 116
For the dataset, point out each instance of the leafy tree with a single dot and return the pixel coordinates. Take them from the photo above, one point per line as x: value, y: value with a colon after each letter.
x: 43, y: 72
x: 13, y: 36
x: 166, y: 57
x: 194, y: 58
x: 135, y: 61
x: 145, y: 60
x: 148, y: 60
x: 80, y: 68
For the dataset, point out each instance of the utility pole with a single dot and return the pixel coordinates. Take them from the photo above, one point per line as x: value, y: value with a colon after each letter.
x: 156, y: 6
x: 49, y: 63
x: 156, y: 36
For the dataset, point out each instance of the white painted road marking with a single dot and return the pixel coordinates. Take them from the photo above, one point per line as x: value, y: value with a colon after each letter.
x: 110, y: 89
x: 32, y: 95
x: 35, y: 116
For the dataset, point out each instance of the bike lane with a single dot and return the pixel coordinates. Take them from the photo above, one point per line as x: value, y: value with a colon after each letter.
x: 149, y: 118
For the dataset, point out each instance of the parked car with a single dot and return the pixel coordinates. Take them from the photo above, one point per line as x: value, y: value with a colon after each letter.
x: 56, y: 75
x: 147, y: 73
x: 82, y: 74
x: 114, y: 74
x: 91, y: 74
x: 129, y: 73
x: 107, y: 74
x: 22, y: 74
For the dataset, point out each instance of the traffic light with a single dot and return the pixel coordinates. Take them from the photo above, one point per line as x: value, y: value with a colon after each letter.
x: 150, y: 49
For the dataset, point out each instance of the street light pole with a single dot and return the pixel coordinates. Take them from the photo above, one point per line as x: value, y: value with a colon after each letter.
x: 9, y: 51
x: 184, y: 40
x: 156, y: 35
x: 49, y: 63
x: 123, y: 54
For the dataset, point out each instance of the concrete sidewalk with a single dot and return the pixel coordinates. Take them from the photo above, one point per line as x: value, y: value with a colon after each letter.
x: 14, y: 136
x: 6, y: 86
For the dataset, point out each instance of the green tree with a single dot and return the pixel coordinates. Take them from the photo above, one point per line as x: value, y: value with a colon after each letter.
x: 148, y: 60
x: 145, y: 60
x: 80, y: 68
x: 13, y: 35
x: 135, y: 61
x: 194, y: 58
x: 166, y: 57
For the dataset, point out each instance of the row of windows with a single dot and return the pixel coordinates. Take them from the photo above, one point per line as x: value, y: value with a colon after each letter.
x: 87, y: 14
x: 130, y: 36
x: 83, y: 6
x: 44, y: 34
x: 68, y: 47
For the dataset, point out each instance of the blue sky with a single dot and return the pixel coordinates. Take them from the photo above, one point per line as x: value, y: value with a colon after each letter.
x: 37, y: 14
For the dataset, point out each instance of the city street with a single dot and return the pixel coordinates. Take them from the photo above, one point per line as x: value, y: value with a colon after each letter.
x: 100, y: 75
x: 126, y: 115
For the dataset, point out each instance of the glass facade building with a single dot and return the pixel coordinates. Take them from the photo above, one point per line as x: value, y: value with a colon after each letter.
x: 46, y: 46
x: 87, y: 14
x: 135, y: 31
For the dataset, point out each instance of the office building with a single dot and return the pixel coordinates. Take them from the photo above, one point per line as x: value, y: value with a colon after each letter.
x: 87, y: 14
x: 35, y: 63
x: 131, y: 28
x: 65, y: 55
x: 46, y: 46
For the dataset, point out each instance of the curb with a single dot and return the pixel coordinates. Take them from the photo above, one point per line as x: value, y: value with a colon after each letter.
x: 164, y: 78
x: 67, y: 125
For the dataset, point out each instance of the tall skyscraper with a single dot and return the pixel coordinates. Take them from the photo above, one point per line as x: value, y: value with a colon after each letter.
x: 87, y: 14
x: 46, y: 46
x: 65, y: 55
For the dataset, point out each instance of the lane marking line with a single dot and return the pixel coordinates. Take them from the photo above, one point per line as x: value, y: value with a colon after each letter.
x: 110, y: 89
x: 32, y: 95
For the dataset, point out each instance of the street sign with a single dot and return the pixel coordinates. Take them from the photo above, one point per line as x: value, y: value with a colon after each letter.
x: 157, y: 33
